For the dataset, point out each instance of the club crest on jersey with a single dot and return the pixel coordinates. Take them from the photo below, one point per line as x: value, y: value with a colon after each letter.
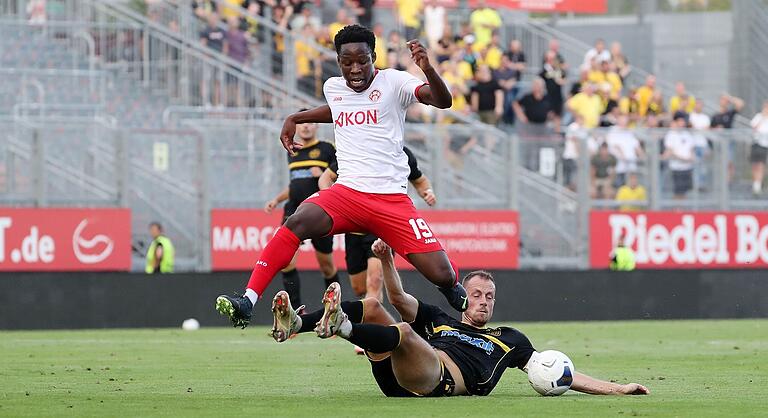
x: 375, y: 96
x: 361, y: 117
x: 315, y: 153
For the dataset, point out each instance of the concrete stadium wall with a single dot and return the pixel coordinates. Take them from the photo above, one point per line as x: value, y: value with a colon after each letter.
x: 111, y: 300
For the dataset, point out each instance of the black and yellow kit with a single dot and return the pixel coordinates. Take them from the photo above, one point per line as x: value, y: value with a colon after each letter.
x: 305, y: 168
x: 482, y: 355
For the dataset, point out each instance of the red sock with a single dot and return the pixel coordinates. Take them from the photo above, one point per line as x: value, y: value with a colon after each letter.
x: 275, y: 257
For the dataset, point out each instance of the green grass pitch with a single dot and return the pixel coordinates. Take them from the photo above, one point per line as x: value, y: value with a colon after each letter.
x: 693, y: 368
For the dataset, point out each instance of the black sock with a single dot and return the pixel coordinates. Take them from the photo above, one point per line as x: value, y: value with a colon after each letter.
x: 292, y: 285
x: 329, y: 280
x: 374, y: 337
x: 353, y: 309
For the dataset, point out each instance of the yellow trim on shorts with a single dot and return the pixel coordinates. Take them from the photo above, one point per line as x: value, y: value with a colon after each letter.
x: 494, y: 339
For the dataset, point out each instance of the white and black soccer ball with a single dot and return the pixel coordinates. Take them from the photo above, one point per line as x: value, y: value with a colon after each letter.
x: 550, y: 372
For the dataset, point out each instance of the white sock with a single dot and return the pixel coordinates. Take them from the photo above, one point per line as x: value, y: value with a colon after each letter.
x: 345, y: 329
x: 253, y: 296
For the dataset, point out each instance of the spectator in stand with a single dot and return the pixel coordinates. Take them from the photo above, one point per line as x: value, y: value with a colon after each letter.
x: 236, y: 48
x: 644, y: 94
x: 342, y: 19
x: 457, y: 71
x: 554, y: 78
x: 445, y: 46
x: 380, y: 48
x: 507, y: 79
x: 490, y: 54
x: 484, y: 21
x: 681, y: 96
x: 610, y: 108
x: 759, y: 149
x: 212, y: 37
x: 679, y: 150
x: 623, y: 145
x: 587, y: 104
x: 575, y: 135
x: 281, y: 19
x: 435, y: 22
x: 468, y: 53
x: 602, y: 173
x: 486, y: 96
x: 620, y: 61
x: 203, y: 8
x: 408, y: 17
x: 534, y: 108
x: 598, y: 53
x: 395, y: 42
x: 730, y: 106
x: 307, y: 62
x: 554, y: 46
x: 306, y: 17
x: 629, y: 106
x: 602, y: 73
x: 533, y: 111
x: 576, y: 86
x: 363, y: 10
x: 632, y: 192
x: 517, y: 58
x: 229, y: 9
x: 656, y: 105
x: 698, y: 119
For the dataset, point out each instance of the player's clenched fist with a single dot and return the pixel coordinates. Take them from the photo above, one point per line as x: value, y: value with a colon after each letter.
x: 286, y: 136
x: 419, y: 54
x: 381, y: 249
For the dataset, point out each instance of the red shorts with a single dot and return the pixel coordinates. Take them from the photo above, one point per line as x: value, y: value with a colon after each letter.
x: 391, y: 217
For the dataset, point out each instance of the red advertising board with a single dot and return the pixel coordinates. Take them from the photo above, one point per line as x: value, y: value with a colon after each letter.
x: 473, y: 239
x: 564, y: 6
x: 708, y: 240
x: 64, y: 239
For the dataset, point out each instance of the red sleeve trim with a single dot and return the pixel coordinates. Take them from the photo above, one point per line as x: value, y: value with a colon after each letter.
x: 416, y: 92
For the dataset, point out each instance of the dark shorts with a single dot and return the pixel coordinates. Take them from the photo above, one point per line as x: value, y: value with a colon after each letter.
x: 682, y: 181
x: 322, y: 245
x: 385, y: 378
x: 358, y: 249
x: 757, y: 153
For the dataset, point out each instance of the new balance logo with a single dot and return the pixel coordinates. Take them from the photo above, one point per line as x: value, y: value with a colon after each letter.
x: 368, y: 117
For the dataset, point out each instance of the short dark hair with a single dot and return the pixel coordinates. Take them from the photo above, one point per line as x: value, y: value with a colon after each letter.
x: 352, y: 34
x: 157, y: 224
x: 478, y: 273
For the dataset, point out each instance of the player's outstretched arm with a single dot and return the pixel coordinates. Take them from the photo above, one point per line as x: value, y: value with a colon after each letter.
x: 406, y: 304
x: 321, y: 114
x: 586, y: 384
x: 424, y: 188
x: 436, y: 93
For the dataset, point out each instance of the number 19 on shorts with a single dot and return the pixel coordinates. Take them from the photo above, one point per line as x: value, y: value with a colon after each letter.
x: 420, y: 228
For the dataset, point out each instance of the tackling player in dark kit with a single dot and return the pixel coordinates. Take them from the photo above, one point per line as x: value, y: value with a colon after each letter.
x: 306, y: 167
x: 431, y: 353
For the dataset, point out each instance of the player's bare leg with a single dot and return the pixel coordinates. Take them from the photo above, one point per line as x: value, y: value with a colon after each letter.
x: 309, y: 221
x: 415, y: 363
x: 437, y: 268
x: 374, y: 280
x: 358, y: 282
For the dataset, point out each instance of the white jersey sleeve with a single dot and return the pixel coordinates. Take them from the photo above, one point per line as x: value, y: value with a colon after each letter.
x: 406, y: 85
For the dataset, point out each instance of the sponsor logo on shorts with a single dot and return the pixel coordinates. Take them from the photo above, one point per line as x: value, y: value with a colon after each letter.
x: 261, y: 263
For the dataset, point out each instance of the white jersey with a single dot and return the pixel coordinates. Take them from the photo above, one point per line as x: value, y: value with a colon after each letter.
x: 369, y: 128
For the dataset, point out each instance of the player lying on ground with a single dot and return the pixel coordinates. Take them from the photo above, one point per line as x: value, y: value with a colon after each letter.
x: 367, y: 109
x: 431, y: 353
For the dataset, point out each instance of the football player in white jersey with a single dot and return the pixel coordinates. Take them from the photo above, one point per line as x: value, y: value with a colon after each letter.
x: 367, y: 108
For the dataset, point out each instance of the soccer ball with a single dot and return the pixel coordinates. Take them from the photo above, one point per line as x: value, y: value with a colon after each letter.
x: 550, y: 372
x: 190, y: 324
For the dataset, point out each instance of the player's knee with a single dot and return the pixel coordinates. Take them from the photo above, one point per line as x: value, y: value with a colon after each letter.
x: 406, y: 332
x: 372, y: 305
